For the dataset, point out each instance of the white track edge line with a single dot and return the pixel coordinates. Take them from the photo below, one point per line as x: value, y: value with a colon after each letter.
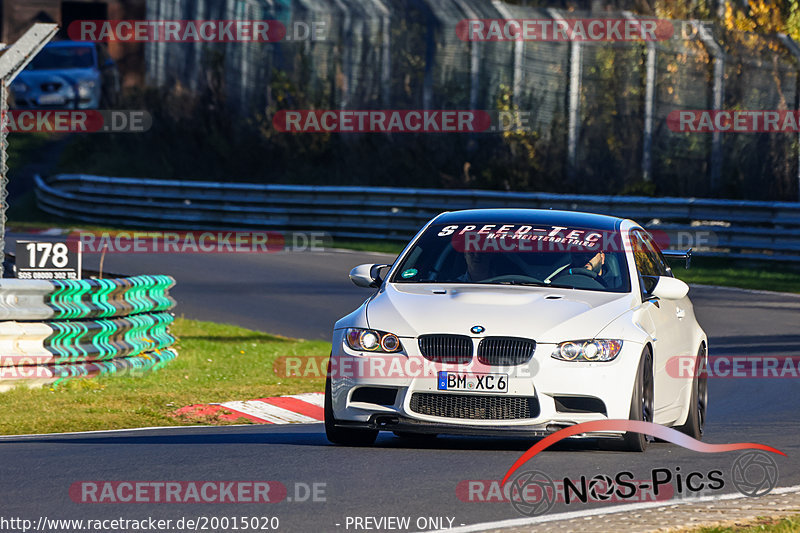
x: 96, y: 431
x: 515, y: 522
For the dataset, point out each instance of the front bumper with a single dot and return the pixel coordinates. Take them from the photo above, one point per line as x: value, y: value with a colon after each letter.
x: 30, y: 100
x: 547, y: 380
x: 411, y: 425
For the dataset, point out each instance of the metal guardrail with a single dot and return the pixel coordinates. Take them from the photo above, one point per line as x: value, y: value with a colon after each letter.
x: 56, y: 330
x: 764, y: 230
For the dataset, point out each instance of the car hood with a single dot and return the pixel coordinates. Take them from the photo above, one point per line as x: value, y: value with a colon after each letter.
x: 544, y: 314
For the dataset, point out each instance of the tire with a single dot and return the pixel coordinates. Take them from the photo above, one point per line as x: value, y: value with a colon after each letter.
x: 641, y: 403
x: 698, y: 402
x: 344, y: 436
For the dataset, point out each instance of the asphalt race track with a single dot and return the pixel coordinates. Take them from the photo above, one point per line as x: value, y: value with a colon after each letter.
x: 301, y: 295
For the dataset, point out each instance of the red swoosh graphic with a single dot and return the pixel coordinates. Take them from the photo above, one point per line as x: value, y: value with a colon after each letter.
x: 648, y: 428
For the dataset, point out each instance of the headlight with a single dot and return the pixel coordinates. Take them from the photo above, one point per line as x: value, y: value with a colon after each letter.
x: 588, y: 350
x: 85, y: 88
x: 370, y: 340
x: 19, y: 87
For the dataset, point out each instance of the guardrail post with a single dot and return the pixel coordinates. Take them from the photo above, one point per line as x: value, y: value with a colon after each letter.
x: 13, y: 60
x: 794, y: 49
x: 716, y: 52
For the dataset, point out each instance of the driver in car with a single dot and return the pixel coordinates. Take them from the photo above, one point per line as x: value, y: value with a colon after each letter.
x: 592, y: 262
x: 479, y: 267
x: 595, y: 264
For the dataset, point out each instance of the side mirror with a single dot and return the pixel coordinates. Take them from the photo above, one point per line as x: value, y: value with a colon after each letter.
x: 669, y: 288
x: 367, y: 275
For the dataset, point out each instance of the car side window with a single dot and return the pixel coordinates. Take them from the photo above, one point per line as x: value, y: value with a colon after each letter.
x: 656, y: 255
x: 646, y: 262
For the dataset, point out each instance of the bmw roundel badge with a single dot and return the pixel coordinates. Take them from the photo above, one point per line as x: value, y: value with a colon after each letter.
x: 477, y: 329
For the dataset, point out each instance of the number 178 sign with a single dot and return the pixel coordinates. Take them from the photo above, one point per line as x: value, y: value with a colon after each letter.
x: 47, y: 260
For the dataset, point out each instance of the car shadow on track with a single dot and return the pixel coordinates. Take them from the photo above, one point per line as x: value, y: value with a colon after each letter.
x: 312, y: 436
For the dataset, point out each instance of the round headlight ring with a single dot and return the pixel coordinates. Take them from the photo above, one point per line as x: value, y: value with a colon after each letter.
x: 592, y: 351
x: 569, y: 351
x: 369, y: 340
x: 390, y: 342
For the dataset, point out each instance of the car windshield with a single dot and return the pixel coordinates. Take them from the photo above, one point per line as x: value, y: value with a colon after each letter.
x: 62, y: 57
x: 517, y: 254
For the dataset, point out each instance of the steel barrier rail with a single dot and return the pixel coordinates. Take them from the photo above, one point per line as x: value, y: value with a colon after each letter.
x: 435, y: 199
x: 25, y: 299
x: 741, y: 228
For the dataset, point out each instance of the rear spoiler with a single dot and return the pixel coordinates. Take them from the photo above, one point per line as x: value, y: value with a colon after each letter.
x: 679, y: 254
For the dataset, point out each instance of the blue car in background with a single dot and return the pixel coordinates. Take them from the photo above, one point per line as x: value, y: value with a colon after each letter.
x: 67, y: 75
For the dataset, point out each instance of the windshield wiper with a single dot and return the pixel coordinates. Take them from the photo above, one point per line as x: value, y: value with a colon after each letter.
x: 533, y: 284
x: 528, y: 283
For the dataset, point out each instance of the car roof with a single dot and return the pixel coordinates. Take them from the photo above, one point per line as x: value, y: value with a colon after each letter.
x: 531, y: 216
x: 71, y: 44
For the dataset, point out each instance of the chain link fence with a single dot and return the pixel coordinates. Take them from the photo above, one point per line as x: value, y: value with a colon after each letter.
x: 14, y: 58
x: 599, y: 108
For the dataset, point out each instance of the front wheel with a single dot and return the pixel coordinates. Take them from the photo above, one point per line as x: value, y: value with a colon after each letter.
x: 698, y: 402
x: 344, y: 436
x: 641, y: 403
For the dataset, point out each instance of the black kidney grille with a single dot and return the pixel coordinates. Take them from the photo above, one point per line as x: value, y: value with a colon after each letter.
x: 505, y: 350
x: 451, y: 349
x: 475, y: 407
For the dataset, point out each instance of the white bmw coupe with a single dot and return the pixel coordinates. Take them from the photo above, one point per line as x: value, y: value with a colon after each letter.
x: 518, y: 322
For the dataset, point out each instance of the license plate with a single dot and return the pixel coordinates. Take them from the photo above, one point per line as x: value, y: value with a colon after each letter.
x: 460, y: 381
x: 52, y: 99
